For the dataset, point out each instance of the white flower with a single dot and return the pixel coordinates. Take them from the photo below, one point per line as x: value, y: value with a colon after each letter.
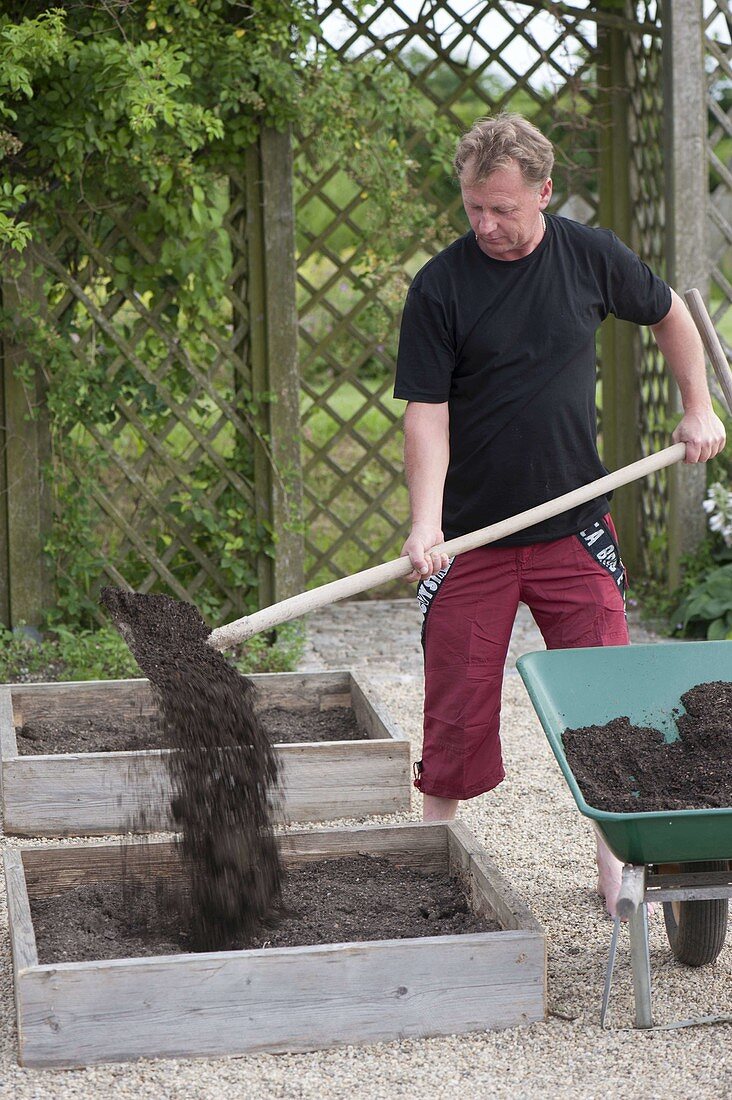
x: 718, y: 507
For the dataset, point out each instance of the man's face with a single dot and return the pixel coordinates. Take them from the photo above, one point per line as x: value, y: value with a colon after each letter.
x: 505, y: 212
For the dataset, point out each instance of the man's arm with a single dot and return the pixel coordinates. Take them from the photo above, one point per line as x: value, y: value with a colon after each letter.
x: 426, y: 456
x: 680, y: 344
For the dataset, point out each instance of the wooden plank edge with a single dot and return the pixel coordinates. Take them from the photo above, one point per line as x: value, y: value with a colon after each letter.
x: 371, y: 713
x: 379, y: 806
x: 407, y: 843
x: 68, y: 699
x: 332, y: 679
x: 370, y: 745
x: 22, y: 934
x: 49, y: 686
x: 515, y: 957
x: 376, y: 746
x: 346, y: 947
x: 129, y: 755
x: 489, y: 882
x: 349, y: 775
x: 8, y: 740
x: 43, y: 862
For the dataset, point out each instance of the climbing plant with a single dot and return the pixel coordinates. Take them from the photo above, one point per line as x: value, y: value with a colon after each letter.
x: 122, y: 126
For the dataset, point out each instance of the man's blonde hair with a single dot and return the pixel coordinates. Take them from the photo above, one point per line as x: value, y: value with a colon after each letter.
x: 493, y: 143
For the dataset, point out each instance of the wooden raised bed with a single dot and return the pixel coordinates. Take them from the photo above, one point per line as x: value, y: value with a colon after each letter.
x: 101, y: 793
x: 279, y: 999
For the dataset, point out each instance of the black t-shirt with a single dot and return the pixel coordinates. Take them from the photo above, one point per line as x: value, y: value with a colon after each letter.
x: 510, y: 344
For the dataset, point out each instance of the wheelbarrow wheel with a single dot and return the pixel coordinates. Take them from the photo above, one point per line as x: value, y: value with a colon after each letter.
x: 697, y: 929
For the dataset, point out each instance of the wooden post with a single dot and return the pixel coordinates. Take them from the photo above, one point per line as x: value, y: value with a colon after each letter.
x: 273, y: 341
x: 620, y: 341
x: 4, y: 542
x: 24, y: 506
x: 686, y: 216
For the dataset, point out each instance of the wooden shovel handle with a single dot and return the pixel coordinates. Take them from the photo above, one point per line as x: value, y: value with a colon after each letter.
x: 712, y: 343
x: 226, y: 636
x: 230, y: 635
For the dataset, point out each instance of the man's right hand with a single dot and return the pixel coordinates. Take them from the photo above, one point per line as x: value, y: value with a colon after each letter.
x: 421, y: 539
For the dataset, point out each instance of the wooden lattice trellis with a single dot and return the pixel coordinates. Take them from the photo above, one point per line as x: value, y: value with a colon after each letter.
x: 718, y: 43
x: 150, y: 377
x: 172, y: 444
x: 646, y: 185
x: 152, y: 476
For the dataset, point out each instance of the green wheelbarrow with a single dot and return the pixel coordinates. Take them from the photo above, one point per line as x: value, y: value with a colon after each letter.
x: 680, y: 858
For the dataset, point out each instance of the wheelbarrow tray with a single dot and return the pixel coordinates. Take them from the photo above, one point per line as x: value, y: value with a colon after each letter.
x: 570, y: 688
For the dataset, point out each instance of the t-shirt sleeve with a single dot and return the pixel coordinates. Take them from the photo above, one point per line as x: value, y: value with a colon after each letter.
x: 426, y: 355
x: 636, y: 294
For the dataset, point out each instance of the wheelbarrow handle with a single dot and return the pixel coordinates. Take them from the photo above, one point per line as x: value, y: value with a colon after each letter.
x: 224, y: 637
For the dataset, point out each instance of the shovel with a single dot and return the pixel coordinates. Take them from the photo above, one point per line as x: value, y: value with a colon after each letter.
x: 224, y: 637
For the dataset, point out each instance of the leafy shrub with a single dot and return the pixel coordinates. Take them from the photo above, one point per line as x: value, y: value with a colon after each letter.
x: 66, y: 655
x: 125, y: 121
x: 707, y: 610
x: 262, y: 653
x: 103, y: 655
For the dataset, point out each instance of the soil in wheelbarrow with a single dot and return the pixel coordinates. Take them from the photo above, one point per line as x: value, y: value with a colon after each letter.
x: 108, y: 734
x: 328, y: 901
x: 223, y: 771
x: 630, y: 769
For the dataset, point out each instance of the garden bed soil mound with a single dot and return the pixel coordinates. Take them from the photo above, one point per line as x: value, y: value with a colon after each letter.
x: 326, y: 901
x: 103, y: 734
x: 624, y: 768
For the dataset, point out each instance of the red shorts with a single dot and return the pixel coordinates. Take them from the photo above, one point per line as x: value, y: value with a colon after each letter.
x: 575, y: 589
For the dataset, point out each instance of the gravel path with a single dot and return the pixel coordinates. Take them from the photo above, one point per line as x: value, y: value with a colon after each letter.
x: 532, y: 830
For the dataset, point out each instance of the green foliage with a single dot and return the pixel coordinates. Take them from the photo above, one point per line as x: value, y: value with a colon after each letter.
x: 669, y: 609
x: 707, y: 609
x: 130, y: 119
x: 719, y: 468
x: 272, y: 653
x: 66, y: 655
x: 105, y: 102
x: 15, y: 234
x: 109, y: 101
x: 102, y: 655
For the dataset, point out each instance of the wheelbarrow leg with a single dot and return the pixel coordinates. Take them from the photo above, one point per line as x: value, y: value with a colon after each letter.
x: 632, y: 905
x: 640, y: 962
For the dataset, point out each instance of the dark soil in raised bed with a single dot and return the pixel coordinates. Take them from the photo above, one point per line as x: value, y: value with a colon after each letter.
x: 629, y: 769
x: 327, y: 901
x: 285, y: 727
x: 104, y: 734
x: 97, y: 734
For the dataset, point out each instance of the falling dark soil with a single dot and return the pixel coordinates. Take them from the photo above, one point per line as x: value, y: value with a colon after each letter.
x: 629, y: 769
x: 223, y: 773
x: 103, y: 734
x: 328, y: 901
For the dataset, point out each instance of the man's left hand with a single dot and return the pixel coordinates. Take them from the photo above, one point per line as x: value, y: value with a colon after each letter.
x: 702, y: 432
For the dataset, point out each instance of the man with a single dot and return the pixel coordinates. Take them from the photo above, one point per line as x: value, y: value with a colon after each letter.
x: 497, y: 364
